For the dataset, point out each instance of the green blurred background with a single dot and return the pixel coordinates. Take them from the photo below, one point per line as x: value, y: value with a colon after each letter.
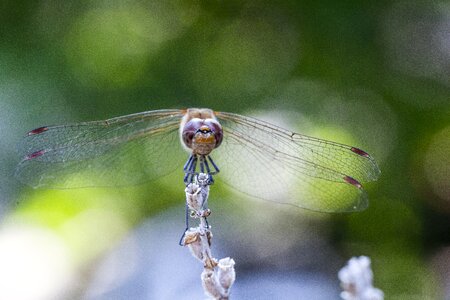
x: 375, y: 74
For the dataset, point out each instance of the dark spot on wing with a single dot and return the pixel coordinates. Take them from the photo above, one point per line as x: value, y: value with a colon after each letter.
x: 359, y: 152
x: 353, y: 181
x: 35, y: 154
x: 38, y: 130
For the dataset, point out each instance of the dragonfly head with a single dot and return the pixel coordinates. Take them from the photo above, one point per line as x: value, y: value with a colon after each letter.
x: 202, y: 135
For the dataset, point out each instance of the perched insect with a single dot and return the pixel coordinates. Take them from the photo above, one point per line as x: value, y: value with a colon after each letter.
x: 255, y: 157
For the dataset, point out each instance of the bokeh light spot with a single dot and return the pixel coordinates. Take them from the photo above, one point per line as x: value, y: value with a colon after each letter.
x: 35, y: 264
x: 113, y: 46
x: 416, y: 37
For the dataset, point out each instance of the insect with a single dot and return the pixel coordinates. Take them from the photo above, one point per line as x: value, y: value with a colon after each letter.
x: 255, y: 157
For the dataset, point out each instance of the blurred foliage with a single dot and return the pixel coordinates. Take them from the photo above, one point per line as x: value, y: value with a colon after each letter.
x: 370, y: 73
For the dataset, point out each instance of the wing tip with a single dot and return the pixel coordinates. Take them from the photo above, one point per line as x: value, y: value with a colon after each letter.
x: 363, y: 202
x: 375, y: 172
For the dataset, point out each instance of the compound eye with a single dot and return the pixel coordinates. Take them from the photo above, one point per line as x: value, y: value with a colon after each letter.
x: 187, y: 138
x: 189, y: 130
x: 215, y: 127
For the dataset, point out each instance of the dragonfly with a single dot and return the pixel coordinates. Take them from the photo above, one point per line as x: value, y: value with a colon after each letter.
x: 252, y: 156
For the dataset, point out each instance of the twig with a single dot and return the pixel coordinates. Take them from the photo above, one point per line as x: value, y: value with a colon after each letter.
x: 218, y: 275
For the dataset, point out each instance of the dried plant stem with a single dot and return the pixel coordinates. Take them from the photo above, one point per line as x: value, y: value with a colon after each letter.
x: 218, y: 275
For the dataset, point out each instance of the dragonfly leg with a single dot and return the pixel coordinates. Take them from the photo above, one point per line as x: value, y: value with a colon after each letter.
x: 191, y: 165
x: 208, y: 171
x: 187, y: 168
x: 211, y: 172
x: 214, y: 165
x: 190, y: 172
x: 187, y: 165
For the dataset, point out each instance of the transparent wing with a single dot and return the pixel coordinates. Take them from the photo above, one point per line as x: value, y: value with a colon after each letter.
x: 121, y: 151
x: 268, y: 162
